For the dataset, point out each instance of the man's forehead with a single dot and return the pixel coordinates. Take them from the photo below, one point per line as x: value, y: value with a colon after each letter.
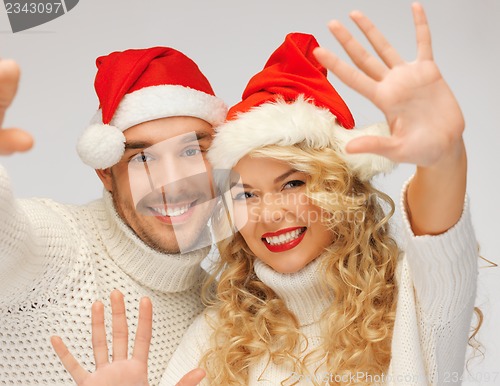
x: 163, y: 129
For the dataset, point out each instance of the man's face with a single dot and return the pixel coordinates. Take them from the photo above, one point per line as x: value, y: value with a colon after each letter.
x: 161, y: 187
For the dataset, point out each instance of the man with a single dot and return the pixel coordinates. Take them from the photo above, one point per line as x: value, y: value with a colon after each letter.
x: 145, y: 237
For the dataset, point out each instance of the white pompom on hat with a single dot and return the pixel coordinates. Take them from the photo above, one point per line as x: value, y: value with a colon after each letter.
x: 289, y: 102
x: 140, y: 85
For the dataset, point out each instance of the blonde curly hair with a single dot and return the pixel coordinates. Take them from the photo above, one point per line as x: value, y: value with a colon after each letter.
x: 252, y: 323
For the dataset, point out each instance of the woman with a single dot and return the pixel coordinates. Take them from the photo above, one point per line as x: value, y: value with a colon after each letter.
x: 312, y: 288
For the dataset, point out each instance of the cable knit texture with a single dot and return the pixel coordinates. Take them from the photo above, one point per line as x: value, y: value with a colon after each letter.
x: 56, y: 260
x: 437, y: 277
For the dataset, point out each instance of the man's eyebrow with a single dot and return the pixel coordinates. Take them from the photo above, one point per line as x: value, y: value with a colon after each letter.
x: 137, y: 145
x: 200, y: 135
x: 185, y: 138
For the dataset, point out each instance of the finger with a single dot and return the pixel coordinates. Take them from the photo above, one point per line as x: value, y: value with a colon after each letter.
x: 119, y: 325
x: 381, y: 145
x: 386, y: 52
x: 9, y: 80
x: 99, y: 341
x: 424, y: 44
x: 366, y: 62
x: 69, y: 362
x: 144, y: 330
x: 193, y: 378
x: 14, y: 140
x: 346, y: 73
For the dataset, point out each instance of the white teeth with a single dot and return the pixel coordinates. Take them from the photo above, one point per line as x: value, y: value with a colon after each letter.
x: 172, y: 212
x: 160, y: 211
x: 285, y: 237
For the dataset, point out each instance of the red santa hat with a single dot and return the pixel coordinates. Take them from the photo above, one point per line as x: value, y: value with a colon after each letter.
x: 291, y: 101
x: 140, y: 85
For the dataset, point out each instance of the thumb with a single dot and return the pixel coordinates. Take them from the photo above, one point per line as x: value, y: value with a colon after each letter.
x: 14, y: 140
x: 381, y: 145
x: 193, y: 378
x: 9, y: 80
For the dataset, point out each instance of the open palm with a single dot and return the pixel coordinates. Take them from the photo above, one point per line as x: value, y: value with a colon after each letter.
x: 424, y: 117
x: 11, y: 140
x: 123, y: 371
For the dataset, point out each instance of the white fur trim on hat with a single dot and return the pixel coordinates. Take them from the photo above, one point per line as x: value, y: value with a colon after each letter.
x: 285, y: 124
x: 101, y: 150
x: 101, y: 146
x: 162, y: 101
x: 365, y: 165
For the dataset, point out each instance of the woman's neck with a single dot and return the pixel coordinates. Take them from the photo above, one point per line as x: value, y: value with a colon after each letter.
x: 302, y: 292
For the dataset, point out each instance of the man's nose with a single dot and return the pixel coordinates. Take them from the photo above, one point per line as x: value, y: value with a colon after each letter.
x: 172, y: 171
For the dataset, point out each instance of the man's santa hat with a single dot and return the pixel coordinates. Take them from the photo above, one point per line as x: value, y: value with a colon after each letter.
x: 136, y: 86
x: 291, y: 101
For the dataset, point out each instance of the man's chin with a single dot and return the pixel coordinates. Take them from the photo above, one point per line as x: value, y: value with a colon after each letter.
x: 165, y: 250
x: 180, y: 239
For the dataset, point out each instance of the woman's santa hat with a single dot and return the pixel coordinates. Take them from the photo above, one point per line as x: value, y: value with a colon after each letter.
x: 291, y: 101
x: 136, y: 86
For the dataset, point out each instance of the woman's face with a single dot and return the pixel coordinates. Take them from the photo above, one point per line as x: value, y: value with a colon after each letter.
x: 274, y: 215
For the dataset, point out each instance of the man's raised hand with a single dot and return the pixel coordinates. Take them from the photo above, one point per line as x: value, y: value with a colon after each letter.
x: 12, y: 140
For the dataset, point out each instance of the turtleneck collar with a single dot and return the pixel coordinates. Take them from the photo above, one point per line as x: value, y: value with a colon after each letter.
x: 158, y: 271
x: 301, y: 291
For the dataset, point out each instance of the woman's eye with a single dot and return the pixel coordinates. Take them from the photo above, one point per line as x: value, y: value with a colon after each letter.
x: 191, y: 152
x: 142, y: 157
x: 293, y: 184
x: 242, y: 196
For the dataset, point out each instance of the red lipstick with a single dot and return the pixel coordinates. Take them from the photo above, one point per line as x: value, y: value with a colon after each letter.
x: 285, y: 246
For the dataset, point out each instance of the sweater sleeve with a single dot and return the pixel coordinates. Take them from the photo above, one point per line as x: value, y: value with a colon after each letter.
x: 32, y: 233
x: 443, y: 270
x: 188, y: 355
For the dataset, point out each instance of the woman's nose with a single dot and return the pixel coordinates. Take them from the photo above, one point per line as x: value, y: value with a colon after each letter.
x: 273, y: 208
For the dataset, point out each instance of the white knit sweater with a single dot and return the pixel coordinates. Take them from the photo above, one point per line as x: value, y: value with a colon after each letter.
x: 437, y: 278
x: 56, y: 260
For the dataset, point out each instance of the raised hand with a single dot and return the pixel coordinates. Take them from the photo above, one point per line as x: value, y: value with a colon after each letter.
x: 11, y: 140
x: 122, y: 370
x: 425, y: 119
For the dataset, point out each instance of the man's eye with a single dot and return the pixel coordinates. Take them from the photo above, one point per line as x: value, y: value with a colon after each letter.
x: 191, y: 152
x: 142, y: 157
x: 293, y: 184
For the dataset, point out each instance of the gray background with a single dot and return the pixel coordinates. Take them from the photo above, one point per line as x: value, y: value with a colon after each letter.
x: 231, y: 40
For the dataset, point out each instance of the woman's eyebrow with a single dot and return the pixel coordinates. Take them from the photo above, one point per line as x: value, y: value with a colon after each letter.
x: 276, y: 180
x: 285, y: 175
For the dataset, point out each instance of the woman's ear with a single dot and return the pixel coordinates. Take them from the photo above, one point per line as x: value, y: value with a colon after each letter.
x: 106, y: 177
